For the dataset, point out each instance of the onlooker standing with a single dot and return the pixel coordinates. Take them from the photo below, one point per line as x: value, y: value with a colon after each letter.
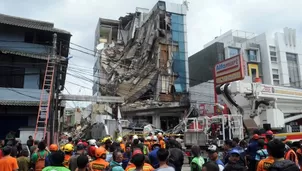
x: 213, y: 156
x: 34, y: 148
x: 210, y: 166
x: 73, y: 160
x: 261, y: 153
x: 8, y: 163
x: 23, y: 161
x: 251, y: 152
x: 162, y: 155
x: 57, y: 159
x: 197, y: 160
x: 153, y: 155
x: 115, y: 165
x: 14, y: 151
x: 176, y: 157
x: 234, y: 163
x: 82, y: 163
x: 38, y: 158
x: 138, y: 160
x: 228, y: 145
x: 30, y: 141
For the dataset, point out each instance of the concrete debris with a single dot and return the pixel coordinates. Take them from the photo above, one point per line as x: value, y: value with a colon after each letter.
x: 131, y: 68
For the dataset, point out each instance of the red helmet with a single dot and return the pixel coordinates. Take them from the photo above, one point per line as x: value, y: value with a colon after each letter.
x: 256, y: 136
x: 269, y: 132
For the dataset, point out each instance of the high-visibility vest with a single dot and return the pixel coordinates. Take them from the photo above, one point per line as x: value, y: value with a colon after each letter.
x: 291, y: 155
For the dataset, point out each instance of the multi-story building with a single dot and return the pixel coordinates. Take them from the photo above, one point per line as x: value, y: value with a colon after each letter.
x: 144, y: 59
x: 274, y: 59
x: 281, y: 55
x: 25, y: 45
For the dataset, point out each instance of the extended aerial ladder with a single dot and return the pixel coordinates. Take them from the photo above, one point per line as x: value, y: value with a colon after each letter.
x: 45, y: 100
x: 263, y: 104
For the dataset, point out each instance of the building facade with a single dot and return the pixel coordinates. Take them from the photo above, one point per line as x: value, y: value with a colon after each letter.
x: 143, y: 58
x: 25, y: 45
x: 282, y: 55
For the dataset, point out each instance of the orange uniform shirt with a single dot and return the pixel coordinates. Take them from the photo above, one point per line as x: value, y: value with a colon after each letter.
x: 99, y: 164
x: 66, y: 160
x: 264, y: 164
x: 162, y: 144
x: 123, y: 146
x: 146, y: 167
x: 291, y: 155
x: 8, y: 163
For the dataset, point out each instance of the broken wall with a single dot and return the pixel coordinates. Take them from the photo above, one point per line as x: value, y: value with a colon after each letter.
x: 144, y: 61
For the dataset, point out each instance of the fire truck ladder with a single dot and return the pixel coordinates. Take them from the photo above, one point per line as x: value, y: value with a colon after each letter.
x: 45, y: 99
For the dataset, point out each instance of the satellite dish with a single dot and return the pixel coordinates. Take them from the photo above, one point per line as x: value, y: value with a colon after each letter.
x: 100, y: 46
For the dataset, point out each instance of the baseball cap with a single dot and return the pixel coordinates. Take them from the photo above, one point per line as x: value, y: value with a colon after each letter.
x: 80, y: 146
x: 212, y: 148
x: 234, y: 151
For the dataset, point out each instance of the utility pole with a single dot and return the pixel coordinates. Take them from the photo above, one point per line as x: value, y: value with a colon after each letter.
x: 57, y: 85
x: 52, y: 106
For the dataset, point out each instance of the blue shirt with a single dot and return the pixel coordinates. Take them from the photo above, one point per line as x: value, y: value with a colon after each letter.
x: 126, y: 159
x: 261, y: 154
x: 252, y: 149
x: 153, y: 158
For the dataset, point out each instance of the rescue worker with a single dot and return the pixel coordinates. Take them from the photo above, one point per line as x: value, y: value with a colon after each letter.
x: 147, y: 142
x: 153, y: 154
x: 252, y: 151
x: 137, y: 154
x: 92, y: 147
x: 145, y: 146
x: 52, y: 148
x: 290, y: 154
x: 122, y: 145
x: 269, y: 135
x: 100, y: 164
x: 161, y: 141
x: 68, y: 149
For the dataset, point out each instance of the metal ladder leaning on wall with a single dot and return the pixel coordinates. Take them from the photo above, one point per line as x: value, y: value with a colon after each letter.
x: 45, y: 99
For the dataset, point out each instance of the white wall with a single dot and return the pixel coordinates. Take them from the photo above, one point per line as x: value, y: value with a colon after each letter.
x: 282, y: 48
x: 202, y: 93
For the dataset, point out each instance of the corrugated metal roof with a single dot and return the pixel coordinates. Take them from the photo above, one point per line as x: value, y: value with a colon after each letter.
x: 20, y: 97
x: 29, y: 23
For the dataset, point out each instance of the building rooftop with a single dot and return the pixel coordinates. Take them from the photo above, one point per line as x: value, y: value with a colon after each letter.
x: 29, y: 23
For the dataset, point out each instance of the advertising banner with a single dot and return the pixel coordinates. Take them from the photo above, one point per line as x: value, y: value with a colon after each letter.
x: 229, y: 70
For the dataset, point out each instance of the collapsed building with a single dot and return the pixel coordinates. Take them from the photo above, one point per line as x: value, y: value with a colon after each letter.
x: 142, y: 57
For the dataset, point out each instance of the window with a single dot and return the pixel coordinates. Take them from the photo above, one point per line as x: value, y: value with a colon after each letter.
x: 275, y: 74
x: 253, y: 73
x: 252, y: 55
x: 276, y: 82
x: 273, y: 58
x: 272, y: 48
x: 273, y: 54
x: 233, y: 51
x: 293, y: 70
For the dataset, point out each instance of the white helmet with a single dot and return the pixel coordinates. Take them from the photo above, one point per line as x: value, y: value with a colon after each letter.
x: 160, y: 134
x: 119, y: 139
x: 135, y: 137
x: 92, y: 142
x: 155, y: 138
x: 148, y: 138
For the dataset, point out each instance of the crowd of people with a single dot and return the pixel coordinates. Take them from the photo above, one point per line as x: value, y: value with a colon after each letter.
x: 129, y: 153
x: 154, y: 152
x: 262, y: 153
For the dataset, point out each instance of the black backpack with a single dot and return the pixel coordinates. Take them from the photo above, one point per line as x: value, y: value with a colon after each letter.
x: 284, y: 165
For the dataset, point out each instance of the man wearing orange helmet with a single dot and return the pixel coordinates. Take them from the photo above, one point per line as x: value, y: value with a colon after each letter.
x: 52, y: 148
x: 100, y: 164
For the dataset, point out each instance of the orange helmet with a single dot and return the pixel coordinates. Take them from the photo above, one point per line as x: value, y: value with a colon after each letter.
x: 53, y: 147
x: 100, y: 151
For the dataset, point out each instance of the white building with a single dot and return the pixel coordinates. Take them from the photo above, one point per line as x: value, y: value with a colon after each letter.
x: 282, y: 58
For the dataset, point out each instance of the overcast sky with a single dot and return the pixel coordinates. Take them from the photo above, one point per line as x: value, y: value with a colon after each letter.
x: 205, y: 20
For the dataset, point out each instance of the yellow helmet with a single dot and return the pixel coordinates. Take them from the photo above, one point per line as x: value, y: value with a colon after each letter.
x: 68, y: 148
